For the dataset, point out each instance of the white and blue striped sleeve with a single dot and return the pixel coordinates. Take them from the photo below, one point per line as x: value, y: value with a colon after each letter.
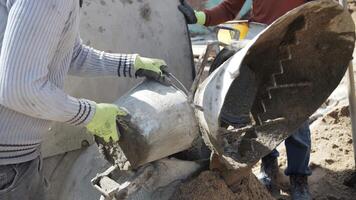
x: 87, y: 61
x: 30, y: 41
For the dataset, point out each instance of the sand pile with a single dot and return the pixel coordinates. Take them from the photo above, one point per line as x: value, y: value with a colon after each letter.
x: 210, y: 185
x: 332, y: 159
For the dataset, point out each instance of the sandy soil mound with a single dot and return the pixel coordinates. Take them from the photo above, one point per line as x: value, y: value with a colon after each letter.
x: 332, y: 158
x: 209, y: 185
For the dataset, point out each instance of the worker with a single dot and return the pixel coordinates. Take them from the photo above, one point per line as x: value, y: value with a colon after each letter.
x: 40, y: 45
x: 297, y: 145
x: 245, y: 9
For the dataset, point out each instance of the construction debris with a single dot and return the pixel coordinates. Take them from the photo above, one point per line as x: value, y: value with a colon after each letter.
x: 155, y: 181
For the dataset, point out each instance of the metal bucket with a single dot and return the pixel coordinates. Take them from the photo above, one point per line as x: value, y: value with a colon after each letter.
x: 271, y: 86
x: 161, y: 123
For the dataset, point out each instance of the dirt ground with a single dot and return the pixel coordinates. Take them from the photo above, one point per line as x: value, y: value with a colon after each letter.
x: 210, y: 185
x: 332, y: 159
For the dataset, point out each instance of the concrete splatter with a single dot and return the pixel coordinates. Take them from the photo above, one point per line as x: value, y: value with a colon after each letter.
x: 145, y: 12
x: 101, y: 29
x: 126, y: 1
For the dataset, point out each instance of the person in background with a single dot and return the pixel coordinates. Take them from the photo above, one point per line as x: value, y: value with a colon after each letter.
x: 298, y: 145
x: 40, y: 45
x: 244, y: 11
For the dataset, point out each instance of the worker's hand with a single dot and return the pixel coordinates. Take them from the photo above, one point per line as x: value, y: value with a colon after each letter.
x: 152, y: 68
x: 191, y: 16
x: 103, y: 123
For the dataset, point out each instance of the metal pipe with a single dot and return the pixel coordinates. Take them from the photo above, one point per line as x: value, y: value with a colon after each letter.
x: 203, y: 63
x: 352, y: 103
x: 351, y: 93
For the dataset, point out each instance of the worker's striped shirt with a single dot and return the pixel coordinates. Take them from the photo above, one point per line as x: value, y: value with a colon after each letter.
x: 40, y: 44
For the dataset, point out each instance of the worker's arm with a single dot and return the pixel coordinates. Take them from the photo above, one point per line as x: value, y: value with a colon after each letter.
x: 225, y: 11
x: 30, y: 42
x: 87, y: 61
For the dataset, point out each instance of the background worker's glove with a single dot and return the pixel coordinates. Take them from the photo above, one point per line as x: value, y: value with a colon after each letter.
x: 152, y: 69
x: 103, y: 123
x: 191, y: 16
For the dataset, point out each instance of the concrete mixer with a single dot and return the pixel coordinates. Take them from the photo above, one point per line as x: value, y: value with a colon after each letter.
x: 273, y: 85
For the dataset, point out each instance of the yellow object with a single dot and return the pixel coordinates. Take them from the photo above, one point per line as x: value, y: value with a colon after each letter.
x: 226, y: 36
x: 201, y: 17
x: 103, y: 123
x: 243, y: 28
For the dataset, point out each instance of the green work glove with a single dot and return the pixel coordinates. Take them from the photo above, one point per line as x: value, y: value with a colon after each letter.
x: 191, y: 16
x: 103, y: 123
x: 151, y: 68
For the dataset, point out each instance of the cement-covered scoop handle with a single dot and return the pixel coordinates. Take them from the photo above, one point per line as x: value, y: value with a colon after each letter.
x: 171, y: 76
